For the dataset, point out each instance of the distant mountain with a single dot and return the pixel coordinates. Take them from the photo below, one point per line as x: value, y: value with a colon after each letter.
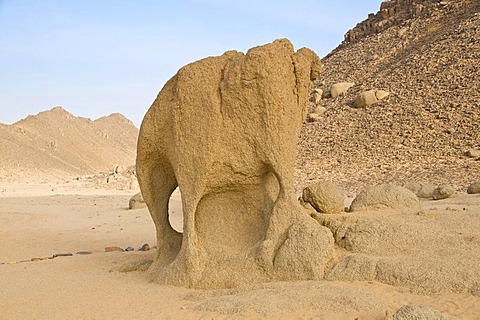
x: 55, y: 144
x: 426, y: 54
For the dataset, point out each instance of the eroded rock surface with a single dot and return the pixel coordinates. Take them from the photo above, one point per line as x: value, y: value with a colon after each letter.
x: 224, y: 129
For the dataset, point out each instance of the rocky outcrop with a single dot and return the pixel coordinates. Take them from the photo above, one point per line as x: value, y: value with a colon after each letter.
x: 423, y: 129
x: 392, y: 13
x: 224, y: 129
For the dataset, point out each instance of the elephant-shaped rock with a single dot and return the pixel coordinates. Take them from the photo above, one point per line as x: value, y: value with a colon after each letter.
x: 224, y: 130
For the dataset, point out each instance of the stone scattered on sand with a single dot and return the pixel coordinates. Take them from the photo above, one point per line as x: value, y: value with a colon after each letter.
x: 383, y: 197
x: 340, y: 88
x: 474, y: 188
x: 319, y: 110
x: 84, y: 252
x: 312, y: 117
x: 324, y: 197
x: 367, y: 98
x: 443, y: 192
x: 145, y: 247
x: 224, y: 130
x: 36, y: 259
x: 473, y: 153
x: 112, y: 249
x: 417, y: 312
x: 62, y: 255
x: 129, y: 249
x: 317, y: 95
x: 138, y: 265
x: 137, y: 202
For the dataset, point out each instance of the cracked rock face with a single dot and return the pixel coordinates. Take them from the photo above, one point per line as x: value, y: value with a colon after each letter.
x: 224, y: 130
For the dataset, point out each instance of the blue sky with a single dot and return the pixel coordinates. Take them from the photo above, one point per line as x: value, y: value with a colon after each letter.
x: 97, y: 57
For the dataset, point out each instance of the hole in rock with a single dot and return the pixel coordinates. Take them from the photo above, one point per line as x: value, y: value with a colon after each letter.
x: 175, y: 211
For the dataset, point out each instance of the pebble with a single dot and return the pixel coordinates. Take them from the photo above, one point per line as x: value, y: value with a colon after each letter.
x: 84, y: 252
x: 111, y: 249
x: 145, y: 247
x: 129, y: 249
x: 62, y: 255
x: 36, y: 259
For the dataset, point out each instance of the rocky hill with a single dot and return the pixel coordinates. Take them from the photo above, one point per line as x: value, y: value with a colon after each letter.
x: 55, y: 144
x: 425, y: 55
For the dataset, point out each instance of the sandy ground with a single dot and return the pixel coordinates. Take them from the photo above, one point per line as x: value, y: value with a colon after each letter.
x: 41, y: 220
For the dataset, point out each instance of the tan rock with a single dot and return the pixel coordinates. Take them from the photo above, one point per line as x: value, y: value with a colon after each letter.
x: 224, y: 130
x: 385, y: 196
x: 473, y: 153
x: 312, y: 117
x: 443, y: 192
x: 317, y: 95
x: 340, y: 88
x: 474, y: 188
x: 367, y: 98
x: 325, y: 197
x: 136, y: 202
x: 112, y: 249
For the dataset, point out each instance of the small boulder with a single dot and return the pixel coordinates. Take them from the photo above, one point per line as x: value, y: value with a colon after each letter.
x: 324, y: 197
x: 474, y: 188
x: 112, y: 249
x: 367, y: 98
x: 137, y: 202
x: 145, y: 247
x: 420, y: 190
x: 312, y: 117
x: 340, y: 88
x: 473, y: 153
x: 317, y: 95
x: 417, y: 312
x: 385, y: 196
x: 319, y: 110
x: 443, y: 192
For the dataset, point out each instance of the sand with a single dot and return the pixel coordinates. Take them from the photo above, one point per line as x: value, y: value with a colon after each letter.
x: 39, y: 221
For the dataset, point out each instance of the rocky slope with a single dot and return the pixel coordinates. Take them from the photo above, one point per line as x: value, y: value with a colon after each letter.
x: 55, y: 144
x: 425, y: 53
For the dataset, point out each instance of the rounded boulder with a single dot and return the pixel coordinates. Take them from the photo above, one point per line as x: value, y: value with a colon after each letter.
x: 324, y: 197
x: 383, y: 197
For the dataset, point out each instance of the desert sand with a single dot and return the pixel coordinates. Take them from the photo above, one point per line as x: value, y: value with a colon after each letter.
x: 37, y: 222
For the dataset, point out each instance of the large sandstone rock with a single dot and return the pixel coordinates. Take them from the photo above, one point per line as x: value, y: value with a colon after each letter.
x: 224, y: 130
x: 340, y: 88
x: 324, y: 197
x: 385, y: 196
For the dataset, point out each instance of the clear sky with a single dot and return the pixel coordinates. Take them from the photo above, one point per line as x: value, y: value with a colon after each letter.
x: 97, y: 57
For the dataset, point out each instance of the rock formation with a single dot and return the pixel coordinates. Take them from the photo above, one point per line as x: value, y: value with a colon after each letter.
x: 224, y: 130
